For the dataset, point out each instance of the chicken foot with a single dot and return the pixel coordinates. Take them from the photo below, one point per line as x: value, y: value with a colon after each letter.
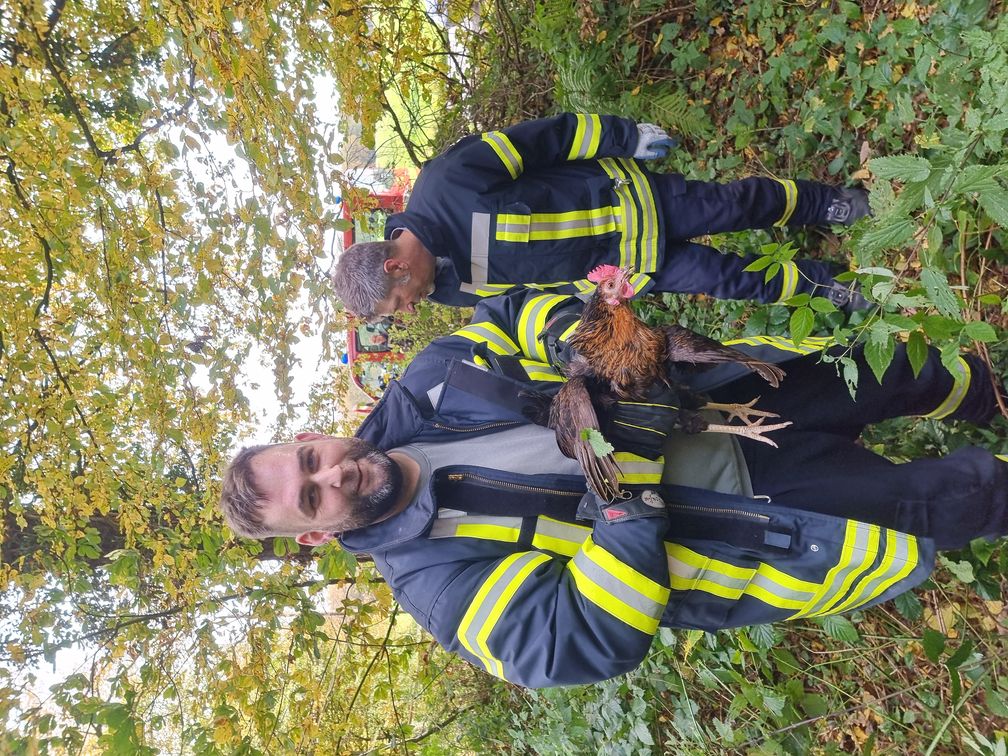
x: 753, y: 431
x: 744, y: 412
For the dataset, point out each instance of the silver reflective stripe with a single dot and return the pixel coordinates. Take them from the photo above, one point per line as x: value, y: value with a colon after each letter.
x: 487, y: 527
x: 531, y: 320
x: 489, y: 603
x: 506, y: 151
x: 628, y: 211
x: 495, y: 338
x: 559, y: 537
x: 853, y: 560
x: 479, y: 253
x: 649, y: 217
x: 617, y: 588
x: 899, y: 560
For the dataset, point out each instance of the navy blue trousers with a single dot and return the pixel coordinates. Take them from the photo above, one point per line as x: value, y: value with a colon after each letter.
x: 707, y: 207
x: 818, y: 466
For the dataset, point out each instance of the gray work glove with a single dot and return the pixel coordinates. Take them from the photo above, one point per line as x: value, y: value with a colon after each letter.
x: 652, y: 142
x: 645, y: 504
x: 847, y: 297
x: 849, y: 206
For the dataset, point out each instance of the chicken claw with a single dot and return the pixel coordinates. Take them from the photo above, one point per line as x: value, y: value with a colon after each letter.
x: 753, y: 431
x: 744, y: 412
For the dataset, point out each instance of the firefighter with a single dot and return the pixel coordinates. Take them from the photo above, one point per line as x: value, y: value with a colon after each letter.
x: 487, y: 536
x: 545, y: 201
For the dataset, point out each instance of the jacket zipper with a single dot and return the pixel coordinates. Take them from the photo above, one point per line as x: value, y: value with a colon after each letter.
x: 720, y: 511
x: 511, y: 486
x: 475, y: 428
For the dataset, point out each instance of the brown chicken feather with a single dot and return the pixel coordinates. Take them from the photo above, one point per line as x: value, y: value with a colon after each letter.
x: 616, y: 352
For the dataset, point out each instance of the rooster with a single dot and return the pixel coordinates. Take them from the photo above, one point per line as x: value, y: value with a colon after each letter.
x: 617, y: 356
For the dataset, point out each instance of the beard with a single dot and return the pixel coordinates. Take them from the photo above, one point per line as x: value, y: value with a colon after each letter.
x: 369, y: 509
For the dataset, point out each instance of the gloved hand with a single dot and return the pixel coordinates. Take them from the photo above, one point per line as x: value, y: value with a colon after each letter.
x: 642, y: 427
x: 645, y: 504
x: 652, y: 142
x: 849, y: 206
x: 847, y: 297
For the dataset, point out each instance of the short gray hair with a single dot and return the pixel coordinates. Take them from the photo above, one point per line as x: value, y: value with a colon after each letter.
x: 360, y: 279
x: 241, y: 498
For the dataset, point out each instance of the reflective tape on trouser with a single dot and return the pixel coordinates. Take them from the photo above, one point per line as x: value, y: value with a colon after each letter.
x: 506, y: 151
x: 562, y: 538
x: 540, y: 371
x: 587, y: 134
x: 790, y: 201
x: 900, y: 558
x: 531, y: 321
x: 618, y: 588
x: 789, y: 281
x: 490, y: 602
x: 1002, y: 457
x: 960, y: 385
x: 860, y: 548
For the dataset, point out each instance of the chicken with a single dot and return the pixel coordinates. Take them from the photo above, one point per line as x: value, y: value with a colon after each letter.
x: 620, y: 357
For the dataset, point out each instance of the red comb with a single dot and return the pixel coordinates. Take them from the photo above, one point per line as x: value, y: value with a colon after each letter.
x: 602, y: 272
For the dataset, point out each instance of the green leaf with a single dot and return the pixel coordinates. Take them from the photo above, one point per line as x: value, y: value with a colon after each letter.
x: 917, y: 351
x: 764, y: 636
x: 841, y: 628
x: 879, y: 350
x: 938, y: 328
x: 961, y: 654
x: 982, y: 549
x: 979, y: 331
x: 909, y: 606
x: 802, y: 321
x: 937, y: 287
x: 891, y: 234
x: 995, y: 204
x: 597, y: 441
x: 759, y: 263
x: 963, y: 570
x: 821, y: 304
x: 933, y: 643
x: 901, y: 167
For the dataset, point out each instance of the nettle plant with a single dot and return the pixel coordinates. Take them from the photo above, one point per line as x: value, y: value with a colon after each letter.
x: 925, y: 258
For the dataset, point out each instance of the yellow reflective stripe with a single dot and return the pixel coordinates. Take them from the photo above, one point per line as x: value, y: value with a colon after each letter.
x: 960, y: 385
x: 506, y: 151
x: 649, y: 217
x: 1002, y: 457
x: 531, y: 321
x: 489, y: 603
x: 570, y: 329
x: 638, y: 281
x: 841, y: 568
x: 637, y: 469
x: 808, y: 345
x: 789, y: 281
x: 587, y: 133
x: 868, y: 555
x: 540, y: 371
x: 584, y: 286
x: 490, y: 334
x: 690, y: 570
x: 485, y: 527
x: 630, y: 214
x: 790, y: 200
x: 564, y: 538
x: 639, y: 427
x: 492, y: 290
x: 571, y: 224
x: 617, y: 588
x: 900, y: 550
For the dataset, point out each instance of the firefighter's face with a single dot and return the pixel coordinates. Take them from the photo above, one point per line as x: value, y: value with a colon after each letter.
x: 321, y: 485
x: 406, y: 293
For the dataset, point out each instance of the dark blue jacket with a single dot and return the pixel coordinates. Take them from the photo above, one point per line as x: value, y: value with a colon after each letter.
x: 540, y: 599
